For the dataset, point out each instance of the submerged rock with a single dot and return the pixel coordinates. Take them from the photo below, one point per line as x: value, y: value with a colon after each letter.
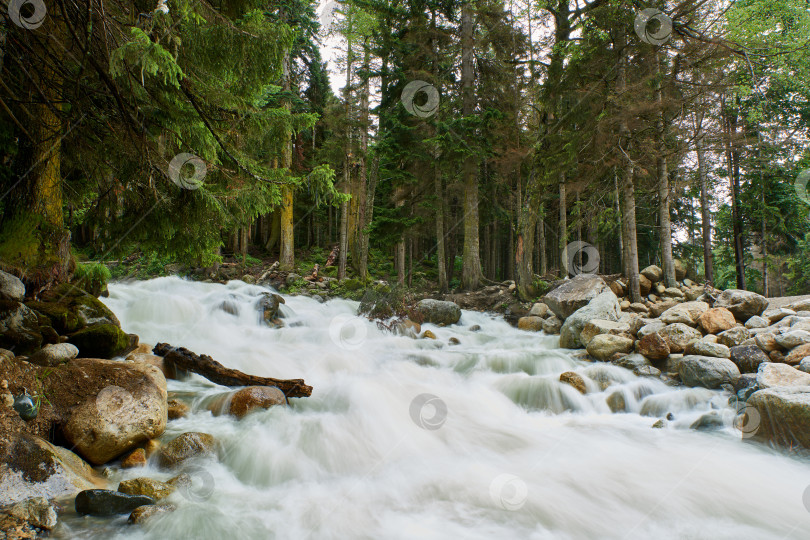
x: 245, y: 400
x: 187, y: 446
x: 575, y: 380
x: 150, y: 487
x: 36, y: 511
x: 142, y: 513
x: 105, y: 502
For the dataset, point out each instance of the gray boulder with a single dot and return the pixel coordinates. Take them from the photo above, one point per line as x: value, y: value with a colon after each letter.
x: 707, y: 348
x: 678, y: 336
x: 784, y: 416
x: 441, y: 312
x: 707, y: 372
x: 19, y: 327
x: 733, y: 336
x: 743, y: 304
x: 772, y: 375
x: 604, y: 346
x: 54, y: 354
x: 104, y: 502
x: 574, y: 294
x: 604, y: 306
x: 11, y: 288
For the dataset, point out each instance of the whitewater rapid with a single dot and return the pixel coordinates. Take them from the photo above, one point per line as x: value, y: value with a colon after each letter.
x: 406, y: 438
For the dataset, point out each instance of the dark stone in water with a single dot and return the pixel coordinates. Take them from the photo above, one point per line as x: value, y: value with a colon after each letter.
x: 708, y: 421
x: 25, y: 407
x: 104, y: 502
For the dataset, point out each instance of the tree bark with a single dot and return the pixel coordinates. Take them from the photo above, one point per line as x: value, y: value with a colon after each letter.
x: 706, y: 225
x: 665, y: 227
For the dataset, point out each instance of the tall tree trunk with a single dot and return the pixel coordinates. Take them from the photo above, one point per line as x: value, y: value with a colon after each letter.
x: 287, y: 254
x: 471, y: 263
x: 733, y: 160
x: 438, y: 189
x: 706, y: 225
x: 563, y: 227
x: 665, y: 227
x: 359, y: 245
x: 617, y: 198
x: 541, y: 228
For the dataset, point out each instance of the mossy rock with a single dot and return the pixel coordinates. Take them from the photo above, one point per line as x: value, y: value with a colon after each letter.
x: 59, y: 316
x: 19, y: 328
x: 101, y: 341
x: 69, y: 309
x: 352, y: 284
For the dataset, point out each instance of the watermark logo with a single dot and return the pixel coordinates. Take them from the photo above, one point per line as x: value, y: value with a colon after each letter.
x: 508, y: 492
x: 588, y: 263
x: 747, y: 420
x: 653, y: 26
x: 806, y: 498
x: 179, y: 173
x: 409, y: 94
x: 327, y: 14
x: 800, y: 185
x: 348, y: 332
x: 28, y: 14
x: 428, y: 411
x: 197, y: 484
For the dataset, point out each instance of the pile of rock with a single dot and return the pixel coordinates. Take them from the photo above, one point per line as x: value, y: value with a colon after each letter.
x: 728, y: 341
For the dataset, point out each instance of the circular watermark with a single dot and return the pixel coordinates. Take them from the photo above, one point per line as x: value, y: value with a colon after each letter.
x: 197, y: 485
x: 428, y: 411
x: 588, y: 263
x: 747, y: 420
x: 116, y: 403
x: 653, y: 26
x: 508, y: 492
x: 431, y: 104
x: 348, y: 332
x: 181, y: 177
x: 800, y: 185
x: 327, y: 14
x: 28, y: 14
x: 806, y: 498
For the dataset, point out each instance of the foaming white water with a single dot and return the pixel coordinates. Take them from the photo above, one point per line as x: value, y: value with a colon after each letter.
x: 407, y: 438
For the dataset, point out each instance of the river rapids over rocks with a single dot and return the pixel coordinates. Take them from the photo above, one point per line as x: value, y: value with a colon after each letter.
x: 408, y: 438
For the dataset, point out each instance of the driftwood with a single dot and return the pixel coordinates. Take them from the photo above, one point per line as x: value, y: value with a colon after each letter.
x: 181, y: 358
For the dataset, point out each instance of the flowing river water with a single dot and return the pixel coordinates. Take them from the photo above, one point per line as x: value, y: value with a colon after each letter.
x: 406, y: 438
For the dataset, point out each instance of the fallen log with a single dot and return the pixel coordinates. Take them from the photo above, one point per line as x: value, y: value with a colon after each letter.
x: 182, y: 358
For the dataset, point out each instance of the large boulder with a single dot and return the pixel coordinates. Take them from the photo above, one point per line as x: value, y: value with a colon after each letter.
x: 653, y: 346
x: 603, y: 306
x: 34, y: 467
x: 793, y: 338
x: 748, y: 358
x: 574, y: 294
x: 604, y: 346
x: 441, y: 312
x: 653, y: 273
x: 707, y: 372
x: 118, y: 418
x: 102, y: 341
x: 784, y: 416
x: 104, y: 502
x: 19, y: 327
x: 69, y: 309
x: 772, y: 375
x: 716, y: 320
x: 743, y: 304
x: 187, y: 446
x: 687, y: 313
x: 678, y: 336
x: 11, y: 288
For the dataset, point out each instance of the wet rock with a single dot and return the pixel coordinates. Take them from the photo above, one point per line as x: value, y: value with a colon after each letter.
x: 531, y: 323
x: 19, y: 328
x: 104, y: 502
x: 574, y: 294
x: 34, y: 467
x: 710, y: 421
x: 792, y: 338
x: 604, y: 346
x: 427, y: 334
x: 678, y: 336
x: 575, y: 380
x: 101, y: 341
x: 616, y: 402
x: 598, y: 327
x: 119, y: 419
x: 733, y: 336
x: 636, y: 363
x: 772, y: 375
x: 743, y: 304
x: 246, y: 400
x: 784, y: 416
x: 142, y: 513
x: 653, y: 273
x: 177, y: 409
x: 454, y: 341
x: 552, y: 325
x: 747, y: 357
x: 475, y: 328
x: 268, y: 305
x: 716, y: 320
x: 687, y: 313
x: 604, y: 306
x: 36, y: 511
x: 186, y: 446
x: 539, y: 310
x: 11, y: 288
x: 707, y: 372
x: 798, y: 354
x: 53, y: 355
x: 136, y: 458
x: 407, y: 327
x: 653, y: 346
x: 659, y: 424
x: 439, y: 312
x: 149, y: 487
x: 707, y: 348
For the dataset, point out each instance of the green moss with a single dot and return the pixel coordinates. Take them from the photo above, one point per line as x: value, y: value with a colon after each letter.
x: 351, y: 284
x: 100, y: 341
x: 92, y: 277
x: 59, y: 315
